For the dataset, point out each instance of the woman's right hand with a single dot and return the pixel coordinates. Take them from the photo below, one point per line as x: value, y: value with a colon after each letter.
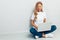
x: 36, y: 27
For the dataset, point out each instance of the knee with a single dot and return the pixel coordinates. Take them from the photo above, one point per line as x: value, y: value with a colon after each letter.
x: 53, y: 27
x: 32, y: 30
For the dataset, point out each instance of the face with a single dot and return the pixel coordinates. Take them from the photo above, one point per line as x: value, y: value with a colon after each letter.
x: 39, y: 7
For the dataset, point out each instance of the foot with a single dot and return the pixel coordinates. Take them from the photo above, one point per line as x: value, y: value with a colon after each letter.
x: 43, y: 35
x: 36, y: 37
x: 47, y: 35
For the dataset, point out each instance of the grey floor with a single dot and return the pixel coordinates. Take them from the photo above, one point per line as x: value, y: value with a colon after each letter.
x: 27, y: 36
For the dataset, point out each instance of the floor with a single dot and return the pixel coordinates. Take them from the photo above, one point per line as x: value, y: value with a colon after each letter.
x: 27, y: 36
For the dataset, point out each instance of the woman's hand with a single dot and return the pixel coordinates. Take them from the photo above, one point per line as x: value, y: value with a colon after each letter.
x: 44, y: 20
x: 36, y: 26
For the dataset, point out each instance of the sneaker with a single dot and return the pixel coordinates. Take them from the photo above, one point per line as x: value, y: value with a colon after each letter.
x: 48, y: 35
x: 36, y: 37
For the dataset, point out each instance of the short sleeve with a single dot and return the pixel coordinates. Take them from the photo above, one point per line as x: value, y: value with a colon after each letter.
x: 32, y: 16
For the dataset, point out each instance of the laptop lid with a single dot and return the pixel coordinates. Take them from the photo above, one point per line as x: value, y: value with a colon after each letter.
x: 44, y: 26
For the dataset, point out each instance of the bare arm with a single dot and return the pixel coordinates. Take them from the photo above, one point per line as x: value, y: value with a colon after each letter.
x: 33, y: 24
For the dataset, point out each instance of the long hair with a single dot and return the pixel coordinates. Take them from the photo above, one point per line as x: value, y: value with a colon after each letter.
x: 35, y: 10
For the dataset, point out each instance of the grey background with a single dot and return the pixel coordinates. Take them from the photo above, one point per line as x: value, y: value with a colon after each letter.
x: 15, y: 14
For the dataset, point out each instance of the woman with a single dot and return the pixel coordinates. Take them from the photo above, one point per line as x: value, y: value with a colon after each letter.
x: 39, y: 16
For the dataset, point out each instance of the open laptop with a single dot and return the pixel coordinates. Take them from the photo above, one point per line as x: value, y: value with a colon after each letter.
x: 44, y: 26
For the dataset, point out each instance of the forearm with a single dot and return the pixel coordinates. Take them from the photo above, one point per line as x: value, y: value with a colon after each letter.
x: 33, y: 24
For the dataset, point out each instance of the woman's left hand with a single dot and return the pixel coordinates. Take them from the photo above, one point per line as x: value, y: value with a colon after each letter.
x: 44, y: 20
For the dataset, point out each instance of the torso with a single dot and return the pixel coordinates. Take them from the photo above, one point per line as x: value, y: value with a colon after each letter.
x: 40, y: 17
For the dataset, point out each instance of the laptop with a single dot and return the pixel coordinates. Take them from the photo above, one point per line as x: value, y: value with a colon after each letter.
x: 44, y: 26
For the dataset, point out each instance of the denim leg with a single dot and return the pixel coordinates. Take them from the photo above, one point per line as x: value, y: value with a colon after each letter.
x: 34, y: 32
x: 53, y: 28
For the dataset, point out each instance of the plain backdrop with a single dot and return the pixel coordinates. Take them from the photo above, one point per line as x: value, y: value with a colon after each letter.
x: 15, y: 14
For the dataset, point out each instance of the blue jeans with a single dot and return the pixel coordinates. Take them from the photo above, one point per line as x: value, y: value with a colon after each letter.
x: 34, y: 31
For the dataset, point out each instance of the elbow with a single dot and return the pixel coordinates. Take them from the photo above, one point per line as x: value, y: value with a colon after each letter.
x: 32, y: 22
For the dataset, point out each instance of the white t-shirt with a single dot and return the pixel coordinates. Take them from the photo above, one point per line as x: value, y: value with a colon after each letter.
x: 40, y: 17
